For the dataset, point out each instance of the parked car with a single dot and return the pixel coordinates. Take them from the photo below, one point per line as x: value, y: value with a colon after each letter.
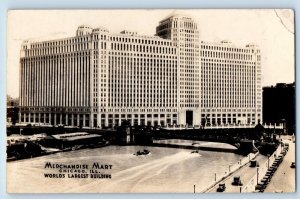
x: 293, y: 165
x: 286, y: 146
x: 237, y: 181
x: 221, y: 187
x: 254, y: 163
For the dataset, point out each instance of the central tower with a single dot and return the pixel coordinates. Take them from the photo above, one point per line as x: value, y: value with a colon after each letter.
x: 184, y: 33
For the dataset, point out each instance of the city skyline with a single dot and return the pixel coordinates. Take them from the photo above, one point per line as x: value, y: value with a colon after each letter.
x: 277, y: 49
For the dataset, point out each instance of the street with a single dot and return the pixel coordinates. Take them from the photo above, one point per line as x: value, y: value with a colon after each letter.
x: 245, y: 173
x: 284, y: 179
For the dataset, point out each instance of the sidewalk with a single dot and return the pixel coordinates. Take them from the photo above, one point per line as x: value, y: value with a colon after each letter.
x: 284, y: 179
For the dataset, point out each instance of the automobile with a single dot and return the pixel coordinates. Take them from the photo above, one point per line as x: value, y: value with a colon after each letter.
x: 278, y: 191
x: 293, y: 165
x: 221, y: 187
x: 286, y: 146
x: 254, y: 163
x: 237, y: 181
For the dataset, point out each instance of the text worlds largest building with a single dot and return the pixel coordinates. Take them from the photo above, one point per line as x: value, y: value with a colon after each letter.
x: 98, y: 79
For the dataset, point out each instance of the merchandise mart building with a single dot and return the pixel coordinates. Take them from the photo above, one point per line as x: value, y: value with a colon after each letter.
x: 99, y: 79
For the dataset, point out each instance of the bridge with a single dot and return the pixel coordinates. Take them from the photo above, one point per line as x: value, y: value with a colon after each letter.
x: 245, y: 140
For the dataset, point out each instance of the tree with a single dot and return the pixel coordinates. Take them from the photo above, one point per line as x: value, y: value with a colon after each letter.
x: 10, y: 101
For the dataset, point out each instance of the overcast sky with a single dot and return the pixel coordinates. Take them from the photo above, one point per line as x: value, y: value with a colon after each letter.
x: 272, y: 30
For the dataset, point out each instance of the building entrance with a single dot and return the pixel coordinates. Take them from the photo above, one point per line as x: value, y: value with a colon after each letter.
x: 189, y: 118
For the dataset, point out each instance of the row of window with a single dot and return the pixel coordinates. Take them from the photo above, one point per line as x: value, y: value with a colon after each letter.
x: 143, y: 48
x: 229, y: 49
x: 55, y: 84
x: 152, y: 41
x: 59, y: 42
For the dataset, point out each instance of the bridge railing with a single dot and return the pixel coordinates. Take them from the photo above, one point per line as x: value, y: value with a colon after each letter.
x: 225, y: 126
x: 274, y: 126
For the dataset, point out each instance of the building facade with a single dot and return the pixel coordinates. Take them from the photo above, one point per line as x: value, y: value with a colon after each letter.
x: 231, y: 90
x: 98, y: 79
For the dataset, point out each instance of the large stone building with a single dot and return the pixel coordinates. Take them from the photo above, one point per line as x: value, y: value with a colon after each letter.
x: 98, y: 79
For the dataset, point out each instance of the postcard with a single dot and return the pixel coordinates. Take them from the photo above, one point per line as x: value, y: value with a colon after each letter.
x: 151, y: 101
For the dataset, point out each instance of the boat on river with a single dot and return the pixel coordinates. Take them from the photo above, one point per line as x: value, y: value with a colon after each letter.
x: 143, y: 152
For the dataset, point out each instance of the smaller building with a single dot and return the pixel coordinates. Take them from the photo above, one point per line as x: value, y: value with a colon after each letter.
x: 279, y: 105
x: 12, y: 115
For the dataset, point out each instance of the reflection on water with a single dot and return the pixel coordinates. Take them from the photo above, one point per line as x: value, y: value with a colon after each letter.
x: 164, y: 170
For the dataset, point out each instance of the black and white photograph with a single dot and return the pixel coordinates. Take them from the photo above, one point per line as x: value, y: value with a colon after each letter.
x: 151, y: 101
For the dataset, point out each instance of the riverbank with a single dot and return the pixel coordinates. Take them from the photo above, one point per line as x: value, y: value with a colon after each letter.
x: 30, y: 146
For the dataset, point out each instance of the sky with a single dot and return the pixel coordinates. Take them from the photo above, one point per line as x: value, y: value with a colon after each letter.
x: 272, y: 30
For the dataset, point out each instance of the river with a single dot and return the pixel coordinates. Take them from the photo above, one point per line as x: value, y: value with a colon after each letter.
x: 164, y: 170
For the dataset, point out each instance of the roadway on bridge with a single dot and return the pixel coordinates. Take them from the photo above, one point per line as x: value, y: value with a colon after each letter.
x: 245, y: 173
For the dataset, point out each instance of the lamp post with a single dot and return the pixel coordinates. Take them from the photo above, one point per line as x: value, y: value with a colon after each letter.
x: 194, y: 188
x: 268, y: 161
x: 257, y: 168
